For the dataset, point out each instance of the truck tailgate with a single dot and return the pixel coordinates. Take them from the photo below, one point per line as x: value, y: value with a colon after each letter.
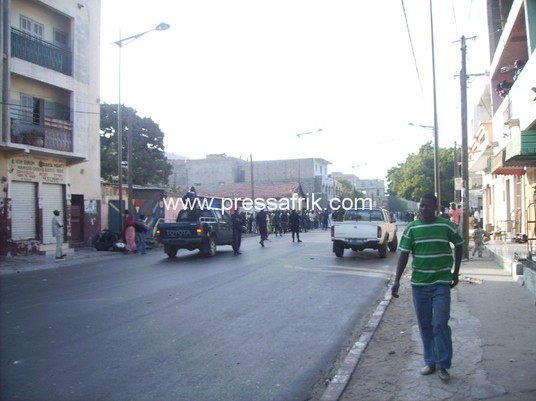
x: 355, y: 230
x: 183, y: 230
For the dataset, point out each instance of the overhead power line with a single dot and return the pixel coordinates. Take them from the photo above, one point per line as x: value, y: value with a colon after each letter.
x: 412, y: 48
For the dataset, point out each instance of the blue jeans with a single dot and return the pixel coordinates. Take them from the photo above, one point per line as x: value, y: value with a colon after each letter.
x: 432, y: 307
x: 141, y: 246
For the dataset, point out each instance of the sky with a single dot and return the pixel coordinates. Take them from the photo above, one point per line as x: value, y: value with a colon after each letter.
x: 245, y: 77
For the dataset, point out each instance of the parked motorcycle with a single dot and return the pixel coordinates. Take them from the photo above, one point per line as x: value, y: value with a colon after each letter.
x: 108, y: 240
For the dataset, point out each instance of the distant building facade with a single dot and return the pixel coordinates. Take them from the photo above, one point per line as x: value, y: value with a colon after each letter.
x: 373, y: 189
x: 310, y: 174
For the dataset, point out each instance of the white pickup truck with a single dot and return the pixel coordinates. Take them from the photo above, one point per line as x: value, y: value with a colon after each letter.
x: 360, y: 229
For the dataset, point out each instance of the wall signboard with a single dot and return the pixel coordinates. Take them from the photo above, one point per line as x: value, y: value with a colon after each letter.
x: 38, y: 169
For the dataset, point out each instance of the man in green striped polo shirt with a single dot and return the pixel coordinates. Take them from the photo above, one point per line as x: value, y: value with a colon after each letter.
x: 429, y: 240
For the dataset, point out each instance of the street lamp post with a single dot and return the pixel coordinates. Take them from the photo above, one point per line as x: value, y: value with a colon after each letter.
x: 299, y: 164
x: 120, y: 43
x: 437, y: 176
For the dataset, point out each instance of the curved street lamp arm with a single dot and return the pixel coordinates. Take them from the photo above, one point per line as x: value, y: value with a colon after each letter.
x: 125, y: 41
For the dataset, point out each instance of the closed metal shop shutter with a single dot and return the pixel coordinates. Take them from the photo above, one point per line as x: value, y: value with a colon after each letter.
x: 23, y: 210
x: 52, y: 195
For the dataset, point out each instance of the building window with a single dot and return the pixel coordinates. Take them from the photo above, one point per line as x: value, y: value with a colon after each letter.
x: 32, y: 27
x: 26, y: 108
x: 61, y: 39
x: 32, y: 109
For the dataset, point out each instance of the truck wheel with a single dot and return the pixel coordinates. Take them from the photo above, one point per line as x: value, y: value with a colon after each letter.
x: 338, y: 249
x: 393, y: 245
x: 382, y: 250
x: 210, y: 248
x: 171, y: 251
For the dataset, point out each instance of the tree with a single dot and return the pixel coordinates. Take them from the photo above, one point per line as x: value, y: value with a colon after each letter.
x: 149, y: 163
x: 397, y: 204
x: 348, y: 190
x: 416, y: 176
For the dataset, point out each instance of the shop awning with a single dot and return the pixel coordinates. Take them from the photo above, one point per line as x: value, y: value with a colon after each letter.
x: 521, y: 149
x: 499, y: 166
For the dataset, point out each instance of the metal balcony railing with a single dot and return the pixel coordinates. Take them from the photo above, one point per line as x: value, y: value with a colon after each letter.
x: 44, y: 131
x: 38, y: 51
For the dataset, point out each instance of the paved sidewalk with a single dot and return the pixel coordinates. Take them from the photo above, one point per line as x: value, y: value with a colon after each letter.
x: 19, y: 264
x: 493, y: 321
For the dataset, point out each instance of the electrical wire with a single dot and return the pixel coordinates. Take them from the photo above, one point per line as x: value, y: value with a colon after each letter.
x: 412, y: 49
x: 454, y: 17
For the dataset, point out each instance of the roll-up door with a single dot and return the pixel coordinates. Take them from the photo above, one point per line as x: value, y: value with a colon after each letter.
x: 52, y: 195
x: 23, y: 210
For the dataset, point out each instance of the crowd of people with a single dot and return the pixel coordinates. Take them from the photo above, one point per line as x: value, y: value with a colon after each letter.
x: 278, y: 221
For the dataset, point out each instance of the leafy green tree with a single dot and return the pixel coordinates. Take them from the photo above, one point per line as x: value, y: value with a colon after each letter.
x: 348, y: 190
x: 396, y: 204
x: 415, y: 177
x: 149, y: 163
x: 346, y: 187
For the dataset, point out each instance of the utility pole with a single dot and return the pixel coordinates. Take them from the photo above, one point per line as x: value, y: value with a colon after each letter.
x: 130, y: 182
x: 437, y: 173
x: 252, y: 180
x: 456, y: 170
x: 465, y: 154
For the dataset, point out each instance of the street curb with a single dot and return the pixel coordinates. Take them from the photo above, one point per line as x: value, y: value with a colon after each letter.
x: 340, y: 380
x: 36, y: 263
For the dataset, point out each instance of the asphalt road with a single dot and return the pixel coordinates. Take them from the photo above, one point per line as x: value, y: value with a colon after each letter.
x: 265, y: 325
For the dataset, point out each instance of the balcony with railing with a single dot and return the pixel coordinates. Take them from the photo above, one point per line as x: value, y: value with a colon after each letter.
x: 42, y: 131
x: 37, y: 51
x: 511, y: 56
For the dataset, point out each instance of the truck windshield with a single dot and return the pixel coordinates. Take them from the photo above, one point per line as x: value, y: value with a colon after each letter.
x: 193, y: 215
x: 364, y: 215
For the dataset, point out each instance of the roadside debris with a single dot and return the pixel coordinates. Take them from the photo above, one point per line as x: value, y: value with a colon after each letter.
x: 471, y: 280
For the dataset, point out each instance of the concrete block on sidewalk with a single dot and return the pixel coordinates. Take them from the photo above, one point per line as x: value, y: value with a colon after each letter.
x: 529, y: 278
x: 517, y: 268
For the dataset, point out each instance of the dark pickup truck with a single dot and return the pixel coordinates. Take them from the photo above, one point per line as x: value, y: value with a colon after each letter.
x: 202, y: 229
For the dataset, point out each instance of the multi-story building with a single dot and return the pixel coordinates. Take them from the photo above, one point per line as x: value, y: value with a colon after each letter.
x: 215, y: 169
x: 310, y: 174
x: 503, y: 149
x: 49, y: 142
x: 373, y: 189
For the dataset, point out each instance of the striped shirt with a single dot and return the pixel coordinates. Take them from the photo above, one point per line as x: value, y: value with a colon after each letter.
x: 429, y: 244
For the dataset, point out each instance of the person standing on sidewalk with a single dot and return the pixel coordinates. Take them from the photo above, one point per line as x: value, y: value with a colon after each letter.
x: 58, y: 233
x: 428, y: 240
x: 455, y: 214
x: 478, y: 238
